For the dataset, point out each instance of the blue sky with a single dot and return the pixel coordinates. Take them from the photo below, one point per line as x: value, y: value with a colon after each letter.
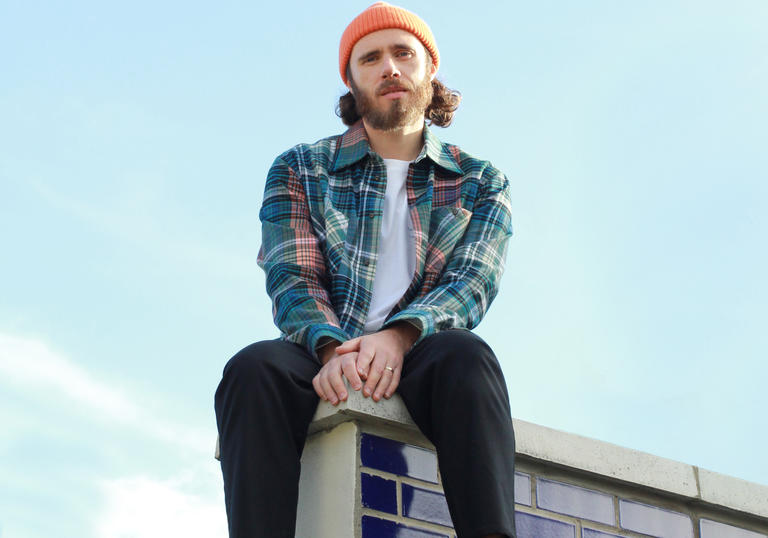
x: 134, y: 141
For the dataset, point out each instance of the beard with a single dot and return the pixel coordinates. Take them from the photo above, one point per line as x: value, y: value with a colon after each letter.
x: 397, y: 113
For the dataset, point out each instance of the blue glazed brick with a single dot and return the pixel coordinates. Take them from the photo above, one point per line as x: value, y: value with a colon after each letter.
x: 379, y: 493
x: 713, y: 529
x: 374, y: 527
x: 530, y: 526
x: 575, y: 501
x: 591, y: 533
x: 398, y: 458
x: 655, y: 521
x: 522, y: 489
x: 425, y: 505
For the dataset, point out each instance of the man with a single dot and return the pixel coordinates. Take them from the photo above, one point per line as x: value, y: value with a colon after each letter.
x: 381, y: 247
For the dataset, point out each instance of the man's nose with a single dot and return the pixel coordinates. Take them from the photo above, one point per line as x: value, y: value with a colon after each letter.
x: 389, y: 69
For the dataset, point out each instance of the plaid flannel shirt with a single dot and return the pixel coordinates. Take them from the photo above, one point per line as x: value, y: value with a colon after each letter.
x: 321, y: 220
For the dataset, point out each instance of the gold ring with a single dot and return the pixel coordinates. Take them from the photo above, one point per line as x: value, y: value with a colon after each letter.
x: 390, y: 369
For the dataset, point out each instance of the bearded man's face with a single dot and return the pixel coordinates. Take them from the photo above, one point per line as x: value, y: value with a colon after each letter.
x: 391, y: 79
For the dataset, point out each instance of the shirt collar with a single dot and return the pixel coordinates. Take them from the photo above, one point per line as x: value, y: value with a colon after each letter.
x: 353, y: 146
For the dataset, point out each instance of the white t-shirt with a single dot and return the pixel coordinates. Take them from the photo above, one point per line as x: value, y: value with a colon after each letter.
x: 396, y: 260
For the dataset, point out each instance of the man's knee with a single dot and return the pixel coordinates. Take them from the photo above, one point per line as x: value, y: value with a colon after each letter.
x: 463, y: 356
x: 460, y: 346
x: 264, y: 360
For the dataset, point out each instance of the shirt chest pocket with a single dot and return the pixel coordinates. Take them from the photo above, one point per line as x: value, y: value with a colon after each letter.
x: 446, y: 228
x: 339, y: 235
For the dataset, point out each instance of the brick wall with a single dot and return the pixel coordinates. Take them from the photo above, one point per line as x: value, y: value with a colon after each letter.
x: 401, y: 495
x: 367, y: 472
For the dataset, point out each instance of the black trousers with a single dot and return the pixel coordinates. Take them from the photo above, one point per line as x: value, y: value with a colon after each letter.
x: 453, y: 387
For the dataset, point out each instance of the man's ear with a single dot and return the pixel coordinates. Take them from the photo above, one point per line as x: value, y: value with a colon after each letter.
x: 432, y: 71
x: 348, y: 84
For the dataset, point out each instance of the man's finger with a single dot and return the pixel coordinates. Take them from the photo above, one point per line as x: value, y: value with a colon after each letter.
x: 337, y: 383
x: 330, y: 394
x: 383, y: 384
x: 349, y: 345
x: 348, y: 363
x: 365, y: 356
x: 375, y: 372
x: 393, y: 384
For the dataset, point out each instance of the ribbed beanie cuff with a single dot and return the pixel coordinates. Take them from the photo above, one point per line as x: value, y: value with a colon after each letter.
x: 381, y: 16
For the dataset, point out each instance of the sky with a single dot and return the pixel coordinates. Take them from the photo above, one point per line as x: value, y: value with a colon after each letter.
x: 134, y: 142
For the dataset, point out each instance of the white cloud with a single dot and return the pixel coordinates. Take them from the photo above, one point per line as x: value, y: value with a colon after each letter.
x: 190, y: 504
x: 142, y: 507
x: 26, y: 362
x: 33, y: 366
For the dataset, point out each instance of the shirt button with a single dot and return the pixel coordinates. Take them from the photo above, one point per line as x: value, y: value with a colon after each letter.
x: 371, y: 214
x: 456, y: 211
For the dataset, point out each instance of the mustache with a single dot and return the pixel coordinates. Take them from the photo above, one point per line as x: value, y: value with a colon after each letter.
x: 391, y: 86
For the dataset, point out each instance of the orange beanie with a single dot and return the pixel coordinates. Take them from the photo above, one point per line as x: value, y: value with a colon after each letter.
x: 381, y: 16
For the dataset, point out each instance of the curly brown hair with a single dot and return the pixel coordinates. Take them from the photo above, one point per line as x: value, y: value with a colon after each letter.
x: 440, y: 111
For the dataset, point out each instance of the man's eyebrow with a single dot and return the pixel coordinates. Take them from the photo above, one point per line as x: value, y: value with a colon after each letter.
x: 368, y: 54
x: 400, y: 46
x: 393, y: 47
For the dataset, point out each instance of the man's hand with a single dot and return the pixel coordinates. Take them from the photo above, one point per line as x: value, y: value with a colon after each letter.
x: 328, y: 382
x: 380, y: 358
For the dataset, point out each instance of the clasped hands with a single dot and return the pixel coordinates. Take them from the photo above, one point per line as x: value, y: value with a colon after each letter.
x: 373, y: 363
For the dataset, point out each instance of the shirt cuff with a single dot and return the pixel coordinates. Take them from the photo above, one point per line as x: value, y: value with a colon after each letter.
x: 418, y: 318
x: 315, y: 333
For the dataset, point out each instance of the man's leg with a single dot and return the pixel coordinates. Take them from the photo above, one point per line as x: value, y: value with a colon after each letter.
x: 454, y: 389
x: 264, y: 405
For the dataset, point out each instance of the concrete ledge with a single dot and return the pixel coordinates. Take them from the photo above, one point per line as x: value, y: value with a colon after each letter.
x: 733, y: 493
x: 391, y: 412
x: 578, y: 453
x: 605, y: 459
